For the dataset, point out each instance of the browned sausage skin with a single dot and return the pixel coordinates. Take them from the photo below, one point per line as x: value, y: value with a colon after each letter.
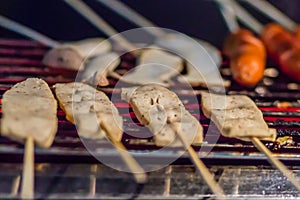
x: 247, y: 57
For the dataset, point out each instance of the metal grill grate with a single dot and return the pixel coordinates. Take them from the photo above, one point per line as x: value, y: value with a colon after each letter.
x: 20, y: 59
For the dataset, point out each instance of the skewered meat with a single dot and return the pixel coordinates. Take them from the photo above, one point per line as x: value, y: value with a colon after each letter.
x: 29, y: 108
x: 155, y: 66
x: 247, y: 57
x: 97, y: 70
x: 297, y: 32
x: 71, y: 55
x: 164, y: 114
x: 236, y: 116
x: 284, y: 48
x: 181, y: 43
x: 194, y: 77
x: 202, y: 60
x: 91, y: 110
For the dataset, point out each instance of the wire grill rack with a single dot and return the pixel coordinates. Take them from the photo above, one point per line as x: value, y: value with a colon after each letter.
x: 275, y: 95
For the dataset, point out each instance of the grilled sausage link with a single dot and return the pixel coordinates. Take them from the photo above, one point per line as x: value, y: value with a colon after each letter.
x: 247, y: 57
x: 284, y: 48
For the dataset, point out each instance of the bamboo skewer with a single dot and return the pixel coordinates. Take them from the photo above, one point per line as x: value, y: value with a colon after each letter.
x: 202, y: 169
x: 160, y: 96
x: 229, y: 16
x: 270, y: 11
x: 243, y: 15
x: 134, y: 167
x: 275, y: 162
x: 27, y: 191
x: 26, y: 31
x: 160, y: 34
x: 168, y: 181
x: 132, y: 16
x: 85, y: 11
x: 99, y: 23
x: 231, y: 9
x: 15, y: 186
x: 93, y: 180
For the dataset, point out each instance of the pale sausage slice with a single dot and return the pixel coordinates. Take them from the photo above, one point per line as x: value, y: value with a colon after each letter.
x: 91, y: 110
x: 236, y: 116
x: 164, y: 114
x: 72, y: 55
x: 154, y: 66
x: 29, y: 108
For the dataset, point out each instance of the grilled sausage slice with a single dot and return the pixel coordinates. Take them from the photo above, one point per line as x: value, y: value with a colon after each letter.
x: 99, y: 68
x: 236, y: 116
x: 161, y: 110
x: 154, y: 66
x: 91, y: 110
x: 29, y: 108
x: 70, y: 56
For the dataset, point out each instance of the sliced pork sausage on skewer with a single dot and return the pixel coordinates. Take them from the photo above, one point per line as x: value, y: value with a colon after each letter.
x: 98, y: 69
x: 82, y: 103
x: 238, y: 116
x: 157, y: 108
x: 72, y: 55
x: 164, y: 114
x: 96, y: 117
x: 154, y: 66
x: 29, y: 108
x: 29, y: 115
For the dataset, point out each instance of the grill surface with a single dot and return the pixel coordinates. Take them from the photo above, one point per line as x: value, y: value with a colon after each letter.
x: 20, y: 59
x: 58, y: 177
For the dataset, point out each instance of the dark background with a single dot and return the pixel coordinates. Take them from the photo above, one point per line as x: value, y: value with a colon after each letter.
x: 198, y: 18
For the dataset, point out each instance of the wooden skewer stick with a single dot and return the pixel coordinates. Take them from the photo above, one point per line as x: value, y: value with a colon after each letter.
x: 26, y: 31
x: 168, y: 181
x: 271, y: 11
x: 15, y: 186
x: 228, y: 15
x: 132, y: 16
x: 28, y: 170
x: 203, y: 170
x: 93, y: 180
x: 275, y: 162
x: 244, y: 16
x: 99, y: 23
x: 134, y: 167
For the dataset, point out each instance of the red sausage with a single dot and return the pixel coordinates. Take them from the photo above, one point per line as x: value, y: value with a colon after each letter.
x: 284, y: 48
x: 247, y: 57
